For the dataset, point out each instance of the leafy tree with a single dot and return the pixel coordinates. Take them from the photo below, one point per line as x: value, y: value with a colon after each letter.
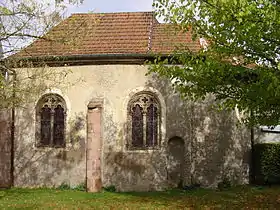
x: 240, y: 64
x: 22, y: 21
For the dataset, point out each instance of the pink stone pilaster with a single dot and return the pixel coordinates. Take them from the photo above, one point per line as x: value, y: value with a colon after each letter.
x: 94, y: 147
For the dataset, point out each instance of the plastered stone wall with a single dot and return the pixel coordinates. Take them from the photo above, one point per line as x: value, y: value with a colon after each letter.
x: 5, y: 148
x: 214, y: 146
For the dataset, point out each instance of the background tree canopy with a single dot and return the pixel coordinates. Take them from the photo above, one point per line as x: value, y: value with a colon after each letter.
x: 22, y: 21
x: 240, y: 65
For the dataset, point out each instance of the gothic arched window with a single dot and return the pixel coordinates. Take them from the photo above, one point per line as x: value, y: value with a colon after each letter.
x: 144, y: 121
x: 50, y: 121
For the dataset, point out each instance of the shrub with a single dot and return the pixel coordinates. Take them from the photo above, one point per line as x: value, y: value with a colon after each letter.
x: 110, y: 188
x: 267, y: 163
x: 81, y: 187
x: 64, y: 186
x: 192, y: 186
x: 224, y: 184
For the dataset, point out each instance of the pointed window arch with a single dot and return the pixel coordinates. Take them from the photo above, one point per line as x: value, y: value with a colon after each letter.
x: 50, y: 121
x: 144, y: 114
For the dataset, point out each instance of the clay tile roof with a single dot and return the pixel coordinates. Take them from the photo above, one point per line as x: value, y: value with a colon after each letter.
x: 167, y: 37
x: 109, y: 33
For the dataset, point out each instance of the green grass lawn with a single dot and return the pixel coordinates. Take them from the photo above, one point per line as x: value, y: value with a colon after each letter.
x: 234, y: 198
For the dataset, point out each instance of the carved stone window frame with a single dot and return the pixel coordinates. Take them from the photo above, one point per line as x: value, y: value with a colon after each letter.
x: 144, y: 99
x: 52, y: 100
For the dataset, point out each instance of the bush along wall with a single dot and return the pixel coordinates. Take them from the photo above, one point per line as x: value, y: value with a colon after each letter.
x: 267, y: 163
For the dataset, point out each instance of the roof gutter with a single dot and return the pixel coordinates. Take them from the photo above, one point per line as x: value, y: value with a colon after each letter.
x: 88, y: 59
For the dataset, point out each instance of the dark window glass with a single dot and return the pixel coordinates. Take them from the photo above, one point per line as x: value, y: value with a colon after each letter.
x: 137, y: 126
x: 58, y: 126
x: 45, y: 125
x: 145, y: 121
x: 152, y: 126
x: 50, y: 127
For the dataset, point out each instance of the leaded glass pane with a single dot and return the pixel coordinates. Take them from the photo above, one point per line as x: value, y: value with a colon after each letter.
x: 45, y: 126
x: 58, y: 126
x: 152, y: 126
x: 137, y: 126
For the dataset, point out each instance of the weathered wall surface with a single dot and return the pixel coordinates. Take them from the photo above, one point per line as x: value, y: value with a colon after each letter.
x: 215, y: 147
x: 5, y: 148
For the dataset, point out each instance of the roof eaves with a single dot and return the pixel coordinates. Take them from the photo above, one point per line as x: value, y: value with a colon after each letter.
x: 130, y: 58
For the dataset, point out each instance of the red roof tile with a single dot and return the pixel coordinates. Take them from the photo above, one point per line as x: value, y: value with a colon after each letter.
x: 167, y: 37
x: 109, y: 33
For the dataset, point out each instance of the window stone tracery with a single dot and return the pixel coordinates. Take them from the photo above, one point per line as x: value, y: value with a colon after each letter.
x: 144, y: 121
x: 50, y: 121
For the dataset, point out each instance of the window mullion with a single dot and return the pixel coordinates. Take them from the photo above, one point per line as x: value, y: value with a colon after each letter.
x: 144, y: 128
x: 158, y: 129
x: 153, y: 127
x: 130, y: 128
x: 52, y: 126
x: 64, y: 130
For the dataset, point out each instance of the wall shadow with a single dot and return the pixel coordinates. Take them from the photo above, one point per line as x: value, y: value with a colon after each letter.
x: 5, y: 148
x: 45, y: 166
x: 175, y: 162
x: 216, y: 148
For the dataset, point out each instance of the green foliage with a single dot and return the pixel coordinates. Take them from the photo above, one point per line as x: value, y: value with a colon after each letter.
x: 267, y: 163
x: 240, y: 65
x: 110, y: 188
x: 81, y: 187
x: 224, y: 184
x: 21, y: 22
x: 193, y: 186
x: 64, y: 186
